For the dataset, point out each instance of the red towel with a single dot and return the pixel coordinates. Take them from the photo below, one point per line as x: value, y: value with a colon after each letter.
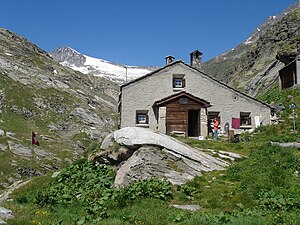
x: 235, y: 124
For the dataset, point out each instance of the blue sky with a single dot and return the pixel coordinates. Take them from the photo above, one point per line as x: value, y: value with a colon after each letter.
x: 138, y: 32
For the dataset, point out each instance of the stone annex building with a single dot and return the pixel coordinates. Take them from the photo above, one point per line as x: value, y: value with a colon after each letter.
x: 180, y: 99
x: 289, y: 76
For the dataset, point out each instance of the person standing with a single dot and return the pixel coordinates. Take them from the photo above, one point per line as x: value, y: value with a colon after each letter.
x: 216, y: 128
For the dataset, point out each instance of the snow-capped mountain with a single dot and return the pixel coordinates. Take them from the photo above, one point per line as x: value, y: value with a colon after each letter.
x: 88, y: 65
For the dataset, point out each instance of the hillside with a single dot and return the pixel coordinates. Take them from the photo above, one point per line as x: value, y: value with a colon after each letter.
x: 70, y: 110
x: 252, y: 67
x: 262, y: 188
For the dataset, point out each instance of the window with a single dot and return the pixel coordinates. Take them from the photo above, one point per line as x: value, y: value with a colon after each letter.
x: 178, y: 81
x: 245, y: 119
x: 142, y: 117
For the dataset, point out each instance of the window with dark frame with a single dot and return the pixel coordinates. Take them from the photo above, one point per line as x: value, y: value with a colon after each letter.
x: 142, y: 117
x: 245, y: 119
x: 178, y: 81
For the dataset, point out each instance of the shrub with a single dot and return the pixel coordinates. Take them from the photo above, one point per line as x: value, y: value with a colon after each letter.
x: 82, y: 183
x: 141, y: 189
x: 274, y: 200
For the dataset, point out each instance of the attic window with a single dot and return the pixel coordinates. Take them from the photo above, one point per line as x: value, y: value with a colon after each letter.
x: 142, y: 117
x: 178, y: 81
x: 245, y: 119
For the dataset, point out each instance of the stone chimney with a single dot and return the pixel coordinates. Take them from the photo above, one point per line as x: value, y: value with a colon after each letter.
x: 169, y: 59
x: 196, y: 59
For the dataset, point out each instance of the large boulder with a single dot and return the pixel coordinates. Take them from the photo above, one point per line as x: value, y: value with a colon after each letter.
x: 5, y: 214
x: 141, y: 153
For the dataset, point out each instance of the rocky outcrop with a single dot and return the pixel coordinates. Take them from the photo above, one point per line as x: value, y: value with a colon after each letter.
x: 5, y: 214
x: 66, y: 54
x: 140, y: 153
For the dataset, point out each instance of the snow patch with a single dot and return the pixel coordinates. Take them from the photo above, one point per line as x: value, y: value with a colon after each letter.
x: 248, y: 41
x: 93, y: 107
x: 103, y: 68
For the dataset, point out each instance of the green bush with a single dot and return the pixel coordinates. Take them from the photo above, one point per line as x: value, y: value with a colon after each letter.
x: 82, y: 183
x: 142, y: 189
x: 276, y: 200
x: 91, y: 187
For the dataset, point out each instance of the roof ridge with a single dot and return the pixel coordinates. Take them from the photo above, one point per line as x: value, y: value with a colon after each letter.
x: 199, y: 71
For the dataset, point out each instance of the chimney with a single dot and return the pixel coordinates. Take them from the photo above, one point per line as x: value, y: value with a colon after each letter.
x: 196, y: 59
x: 169, y: 59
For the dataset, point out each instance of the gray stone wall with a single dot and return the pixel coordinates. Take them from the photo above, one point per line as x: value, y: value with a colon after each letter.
x: 142, y: 94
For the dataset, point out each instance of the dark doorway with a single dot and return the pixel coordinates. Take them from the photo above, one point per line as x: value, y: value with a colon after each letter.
x: 193, y: 123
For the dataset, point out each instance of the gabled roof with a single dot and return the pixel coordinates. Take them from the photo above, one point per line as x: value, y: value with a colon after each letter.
x: 181, y: 95
x: 151, y: 73
x: 200, y: 72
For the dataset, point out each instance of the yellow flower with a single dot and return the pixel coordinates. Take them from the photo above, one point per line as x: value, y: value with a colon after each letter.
x: 41, y: 212
x: 36, y: 222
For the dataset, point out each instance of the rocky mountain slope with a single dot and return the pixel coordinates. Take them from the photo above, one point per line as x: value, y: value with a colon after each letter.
x: 253, y: 65
x: 70, y: 111
x: 98, y: 67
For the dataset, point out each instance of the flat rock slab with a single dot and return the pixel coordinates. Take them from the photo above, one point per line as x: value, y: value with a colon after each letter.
x: 25, y: 151
x: 88, y: 117
x: 188, y: 207
x: 287, y: 144
x: 5, y: 195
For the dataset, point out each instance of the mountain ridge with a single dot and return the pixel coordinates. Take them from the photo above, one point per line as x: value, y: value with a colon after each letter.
x: 252, y: 67
x: 115, y: 72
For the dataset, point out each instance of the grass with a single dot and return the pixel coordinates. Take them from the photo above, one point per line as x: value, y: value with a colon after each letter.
x: 225, y: 197
x: 147, y: 211
x: 222, y: 144
x: 6, y: 169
